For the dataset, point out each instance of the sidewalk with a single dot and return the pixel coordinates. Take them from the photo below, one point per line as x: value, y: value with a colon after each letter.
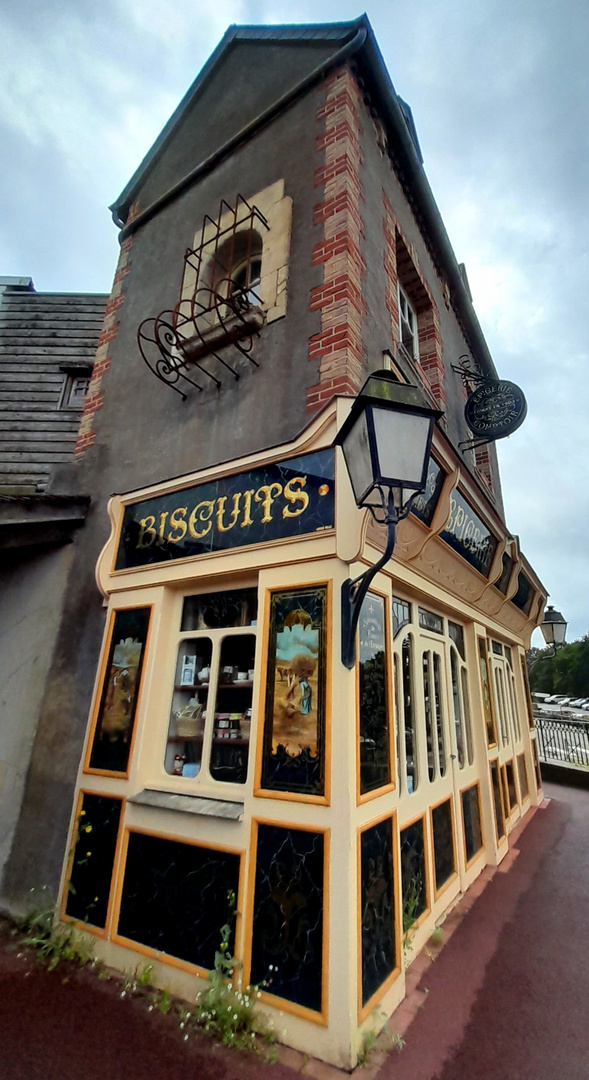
x: 505, y: 1000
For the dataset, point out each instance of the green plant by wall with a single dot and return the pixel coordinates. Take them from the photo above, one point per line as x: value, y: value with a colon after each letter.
x: 226, y: 1009
x: 411, y: 897
x: 53, y: 941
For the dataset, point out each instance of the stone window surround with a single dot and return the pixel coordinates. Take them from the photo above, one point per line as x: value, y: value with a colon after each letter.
x: 276, y: 207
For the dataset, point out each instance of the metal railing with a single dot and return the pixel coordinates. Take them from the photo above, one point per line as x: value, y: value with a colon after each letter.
x: 563, y: 740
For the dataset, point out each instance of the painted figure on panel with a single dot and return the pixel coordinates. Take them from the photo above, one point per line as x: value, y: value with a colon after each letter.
x: 295, y: 715
x: 120, y: 692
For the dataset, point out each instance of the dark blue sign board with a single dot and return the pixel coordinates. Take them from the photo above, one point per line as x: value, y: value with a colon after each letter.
x: 271, y: 502
x: 468, y: 535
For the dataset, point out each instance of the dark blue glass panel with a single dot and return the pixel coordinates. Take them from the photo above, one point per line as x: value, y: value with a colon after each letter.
x: 377, y: 907
x: 287, y: 932
x: 424, y: 506
x: 524, y: 595
x: 289, y: 498
x: 176, y: 897
x: 468, y: 535
x: 94, y: 853
x: 471, y: 818
x: 443, y: 833
x: 413, y: 871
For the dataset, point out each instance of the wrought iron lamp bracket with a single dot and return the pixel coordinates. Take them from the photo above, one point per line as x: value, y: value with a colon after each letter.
x: 354, y: 590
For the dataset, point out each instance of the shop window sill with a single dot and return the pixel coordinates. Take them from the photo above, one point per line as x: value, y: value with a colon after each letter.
x: 189, y: 804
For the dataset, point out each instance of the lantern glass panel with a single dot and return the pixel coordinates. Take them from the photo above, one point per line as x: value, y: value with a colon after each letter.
x: 559, y: 630
x: 402, y: 441
x: 356, y: 450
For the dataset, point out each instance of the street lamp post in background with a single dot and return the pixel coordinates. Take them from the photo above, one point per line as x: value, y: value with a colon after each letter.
x: 554, y: 628
x: 386, y: 443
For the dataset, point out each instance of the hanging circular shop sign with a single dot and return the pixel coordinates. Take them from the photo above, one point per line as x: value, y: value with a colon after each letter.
x: 495, y: 409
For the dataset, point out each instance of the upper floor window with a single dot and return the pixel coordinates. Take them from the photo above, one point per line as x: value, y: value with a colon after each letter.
x: 408, y: 325
x: 235, y: 273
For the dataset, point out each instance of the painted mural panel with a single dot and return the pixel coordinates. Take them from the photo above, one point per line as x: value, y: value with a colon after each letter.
x: 287, y: 931
x: 95, y: 844
x: 120, y: 691
x: 375, y: 764
x: 294, y: 731
x: 377, y: 898
x: 177, y: 896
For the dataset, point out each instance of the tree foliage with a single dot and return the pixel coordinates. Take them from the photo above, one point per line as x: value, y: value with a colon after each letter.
x: 566, y: 673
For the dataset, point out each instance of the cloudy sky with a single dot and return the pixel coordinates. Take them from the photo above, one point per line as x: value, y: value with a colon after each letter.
x: 500, y: 96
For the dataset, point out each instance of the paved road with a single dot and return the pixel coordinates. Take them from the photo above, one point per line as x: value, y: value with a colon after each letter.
x: 508, y: 998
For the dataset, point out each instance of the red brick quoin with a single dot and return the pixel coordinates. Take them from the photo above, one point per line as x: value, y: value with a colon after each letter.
x: 102, y: 361
x: 338, y: 347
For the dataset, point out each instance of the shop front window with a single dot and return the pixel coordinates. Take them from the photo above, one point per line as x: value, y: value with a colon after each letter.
x: 210, y: 721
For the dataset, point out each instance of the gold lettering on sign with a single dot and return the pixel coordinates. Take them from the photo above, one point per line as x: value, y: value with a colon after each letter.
x: 294, y: 496
x: 247, y: 508
x: 203, y: 511
x: 146, y: 530
x: 267, y: 499
x: 163, y: 517
x: 177, y: 522
x: 234, y: 513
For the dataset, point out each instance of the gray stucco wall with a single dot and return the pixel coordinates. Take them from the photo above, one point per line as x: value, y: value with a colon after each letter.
x: 29, y: 620
x: 146, y: 433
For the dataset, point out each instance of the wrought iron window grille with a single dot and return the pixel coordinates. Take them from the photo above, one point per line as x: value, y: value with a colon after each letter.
x: 219, y: 304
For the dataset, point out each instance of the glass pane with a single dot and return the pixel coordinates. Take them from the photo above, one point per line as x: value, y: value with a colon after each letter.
x: 120, y: 691
x: 233, y: 709
x: 497, y: 648
x: 467, y: 719
x: 399, y: 717
x: 511, y: 792
x: 497, y: 801
x: 294, y: 732
x: 506, y: 568
x: 486, y: 690
x: 428, y: 620
x: 377, y: 907
x: 424, y: 506
x: 527, y: 692
x: 501, y: 705
x: 439, y: 714
x: 402, y: 442
x: 456, y: 632
x: 471, y: 819
x: 523, y: 776
x: 443, y: 834
x: 375, y: 767
x: 458, y: 724
x: 513, y: 702
x: 287, y: 930
x: 176, y: 897
x: 95, y: 842
x: 357, y: 457
x: 401, y: 614
x: 411, y: 760
x: 428, y: 700
x: 413, y: 873
x: 189, y: 707
x: 211, y: 611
